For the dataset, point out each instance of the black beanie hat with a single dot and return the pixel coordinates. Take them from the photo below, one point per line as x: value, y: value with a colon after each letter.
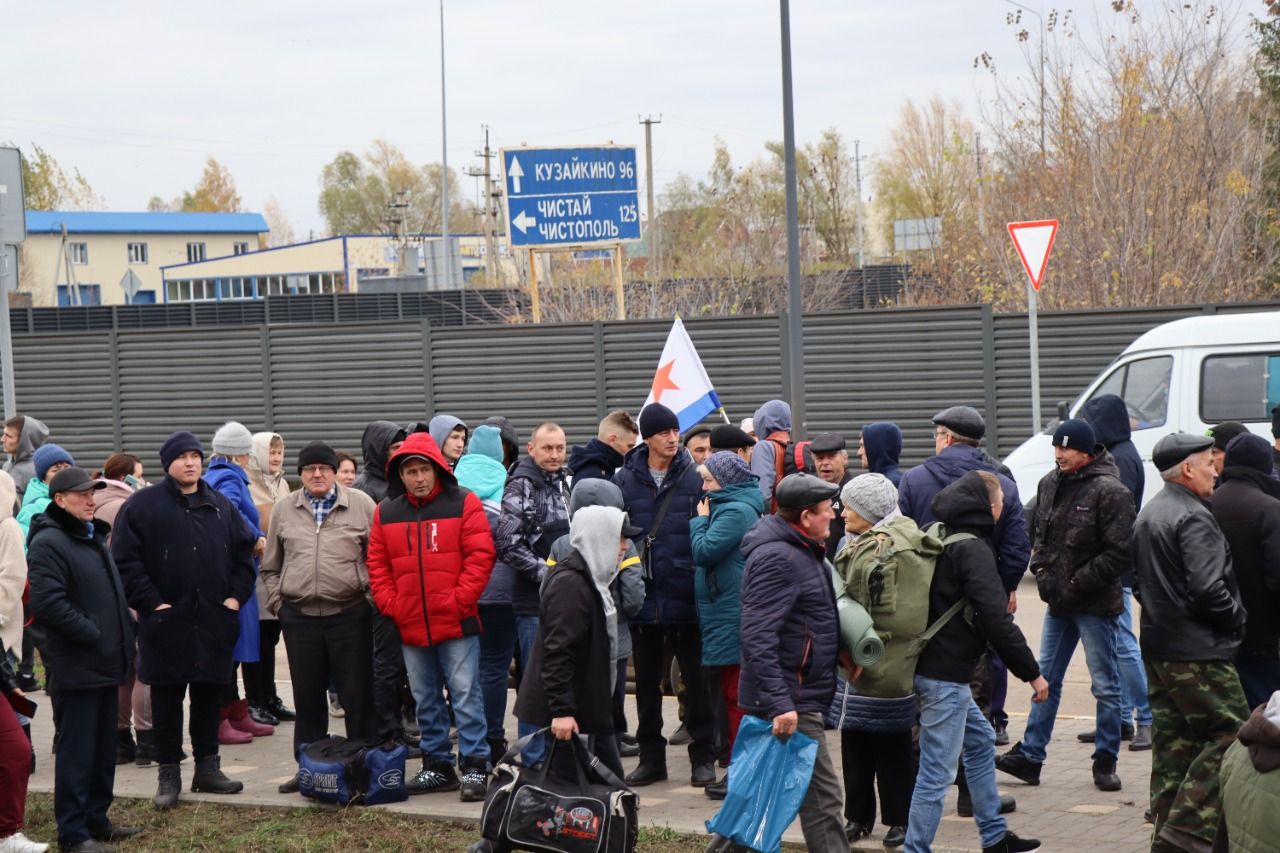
x: 177, y: 444
x: 317, y: 453
x: 1076, y: 435
x: 1249, y: 451
x: 656, y: 418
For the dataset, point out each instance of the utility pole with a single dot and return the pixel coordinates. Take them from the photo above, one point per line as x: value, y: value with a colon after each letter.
x: 444, y: 165
x: 795, y: 304
x: 654, y: 251
x: 857, y: 207
x: 490, y: 212
x: 858, y: 215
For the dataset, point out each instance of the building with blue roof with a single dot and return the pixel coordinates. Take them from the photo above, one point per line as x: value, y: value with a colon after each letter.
x: 85, y: 257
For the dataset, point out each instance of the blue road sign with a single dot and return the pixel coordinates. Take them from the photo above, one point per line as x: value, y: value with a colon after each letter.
x: 571, y: 196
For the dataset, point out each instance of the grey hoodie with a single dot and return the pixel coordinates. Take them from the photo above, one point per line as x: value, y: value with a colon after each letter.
x: 34, y: 434
x: 440, y: 427
x: 628, y: 587
x: 594, y: 532
x: 773, y: 416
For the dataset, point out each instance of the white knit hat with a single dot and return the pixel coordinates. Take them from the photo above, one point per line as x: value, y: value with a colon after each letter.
x: 232, y: 439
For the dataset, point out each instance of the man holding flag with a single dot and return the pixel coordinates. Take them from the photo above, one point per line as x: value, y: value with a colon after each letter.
x: 662, y: 487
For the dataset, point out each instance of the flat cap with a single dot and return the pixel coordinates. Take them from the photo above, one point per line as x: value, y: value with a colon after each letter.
x: 962, y: 420
x: 726, y: 437
x: 797, y: 491
x: 827, y: 442
x: 1175, y: 447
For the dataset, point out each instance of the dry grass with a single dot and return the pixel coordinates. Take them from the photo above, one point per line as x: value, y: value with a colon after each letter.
x: 209, y: 827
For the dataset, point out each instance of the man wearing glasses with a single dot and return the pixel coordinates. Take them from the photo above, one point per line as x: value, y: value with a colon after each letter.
x: 318, y: 586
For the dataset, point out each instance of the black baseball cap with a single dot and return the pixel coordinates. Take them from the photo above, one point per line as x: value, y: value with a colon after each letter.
x: 73, y: 479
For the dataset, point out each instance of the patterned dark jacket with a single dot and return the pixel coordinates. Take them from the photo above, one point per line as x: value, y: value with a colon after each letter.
x: 535, y: 513
x: 1080, y: 539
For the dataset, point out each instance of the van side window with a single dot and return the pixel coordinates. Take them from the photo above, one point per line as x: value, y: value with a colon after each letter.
x: 1239, y: 387
x: 1144, y: 387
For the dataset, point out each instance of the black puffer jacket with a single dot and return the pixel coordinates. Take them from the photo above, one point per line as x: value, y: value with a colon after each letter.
x: 535, y: 513
x: 1191, y: 606
x: 967, y: 569
x: 789, y: 624
x: 82, y: 622
x: 1080, y: 539
x: 1247, y: 508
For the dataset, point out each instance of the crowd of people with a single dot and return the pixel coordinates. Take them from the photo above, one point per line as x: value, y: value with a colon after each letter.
x: 409, y: 593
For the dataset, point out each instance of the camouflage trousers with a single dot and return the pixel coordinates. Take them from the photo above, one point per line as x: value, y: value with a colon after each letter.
x: 1197, y: 708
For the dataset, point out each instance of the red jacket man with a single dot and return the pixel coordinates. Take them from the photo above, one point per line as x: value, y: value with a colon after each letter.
x: 430, y: 555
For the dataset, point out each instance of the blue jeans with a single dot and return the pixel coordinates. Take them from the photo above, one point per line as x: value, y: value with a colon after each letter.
x: 952, y: 725
x: 1100, y: 635
x: 526, y: 638
x: 497, y: 647
x: 459, y: 660
x: 1133, y: 676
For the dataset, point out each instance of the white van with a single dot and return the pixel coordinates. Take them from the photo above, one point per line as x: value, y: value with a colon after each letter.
x: 1183, y: 376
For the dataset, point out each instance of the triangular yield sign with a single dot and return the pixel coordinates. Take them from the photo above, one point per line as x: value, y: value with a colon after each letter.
x: 1034, y: 241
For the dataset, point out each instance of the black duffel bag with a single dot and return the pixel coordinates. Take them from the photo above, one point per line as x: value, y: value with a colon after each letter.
x: 529, y: 809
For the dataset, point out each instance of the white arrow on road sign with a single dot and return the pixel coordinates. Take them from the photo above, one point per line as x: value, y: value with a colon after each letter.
x: 515, y: 173
x: 524, y: 222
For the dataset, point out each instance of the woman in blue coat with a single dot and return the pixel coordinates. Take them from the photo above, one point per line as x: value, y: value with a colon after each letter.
x: 232, y: 445
x: 731, y: 506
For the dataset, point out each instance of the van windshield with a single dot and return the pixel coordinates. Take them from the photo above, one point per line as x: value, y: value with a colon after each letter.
x: 1240, y: 387
x: 1144, y: 387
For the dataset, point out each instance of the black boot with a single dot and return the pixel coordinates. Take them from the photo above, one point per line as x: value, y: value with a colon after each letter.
x: 126, y: 749
x: 497, y: 748
x: 169, y: 786
x: 210, y: 779
x: 475, y: 779
x: 146, y: 749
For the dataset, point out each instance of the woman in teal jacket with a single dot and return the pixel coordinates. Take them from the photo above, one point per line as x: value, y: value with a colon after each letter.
x: 731, y: 506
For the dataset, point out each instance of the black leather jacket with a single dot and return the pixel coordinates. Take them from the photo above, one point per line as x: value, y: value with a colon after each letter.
x: 1191, y: 606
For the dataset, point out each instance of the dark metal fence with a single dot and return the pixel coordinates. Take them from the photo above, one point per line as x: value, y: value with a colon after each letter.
x: 324, y: 374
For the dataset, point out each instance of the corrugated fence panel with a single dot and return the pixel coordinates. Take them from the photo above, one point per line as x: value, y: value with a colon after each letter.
x: 892, y: 365
x: 527, y: 374
x: 742, y: 357
x: 187, y: 380
x: 65, y: 381
x: 1074, y: 347
x: 328, y: 382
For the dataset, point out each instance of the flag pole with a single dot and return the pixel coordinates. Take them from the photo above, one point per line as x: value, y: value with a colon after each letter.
x: 724, y: 415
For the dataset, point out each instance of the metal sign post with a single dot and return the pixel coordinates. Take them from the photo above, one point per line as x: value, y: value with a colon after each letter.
x: 1034, y: 241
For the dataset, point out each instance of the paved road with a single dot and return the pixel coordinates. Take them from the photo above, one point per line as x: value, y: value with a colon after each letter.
x: 1066, y: 812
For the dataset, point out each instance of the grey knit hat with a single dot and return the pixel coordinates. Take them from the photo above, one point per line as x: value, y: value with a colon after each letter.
x: 728, y: 468
x: 872, y: 496
x: 232, y: 439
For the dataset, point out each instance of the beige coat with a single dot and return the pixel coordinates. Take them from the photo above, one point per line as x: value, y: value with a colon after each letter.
x: 107, y: 502
x: 264, y: 490
x: 13, y: 570
x: 319, y: 571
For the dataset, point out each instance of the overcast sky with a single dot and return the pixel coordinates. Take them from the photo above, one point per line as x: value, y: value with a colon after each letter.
x: 137, y: 94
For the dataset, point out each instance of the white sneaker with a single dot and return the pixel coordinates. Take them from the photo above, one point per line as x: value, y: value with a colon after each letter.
x: 19, y: 843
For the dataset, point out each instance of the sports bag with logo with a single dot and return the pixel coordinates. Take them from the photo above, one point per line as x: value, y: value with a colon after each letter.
x: 337, y: 770
x: 528, y: 808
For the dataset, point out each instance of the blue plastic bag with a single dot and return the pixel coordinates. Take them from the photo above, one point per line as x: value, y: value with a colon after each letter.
x: 768, y: 779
